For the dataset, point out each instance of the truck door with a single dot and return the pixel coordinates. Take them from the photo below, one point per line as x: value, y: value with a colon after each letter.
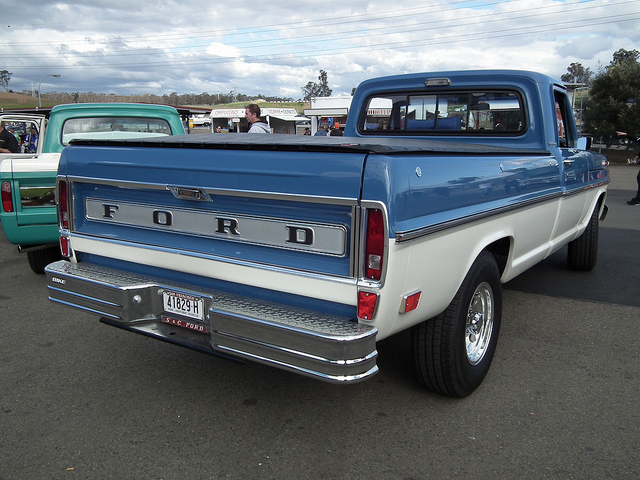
x: 573, y: 166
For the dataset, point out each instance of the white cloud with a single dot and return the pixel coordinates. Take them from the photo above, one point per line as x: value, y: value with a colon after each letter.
x: 217, y: 49
x: 130, y: 46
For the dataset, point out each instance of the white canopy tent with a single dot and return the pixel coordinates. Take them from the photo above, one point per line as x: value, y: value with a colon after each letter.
x: 281, y: 120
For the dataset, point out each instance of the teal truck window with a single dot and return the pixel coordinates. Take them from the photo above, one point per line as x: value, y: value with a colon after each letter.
x: 113, y: 127
x: 476, y: 113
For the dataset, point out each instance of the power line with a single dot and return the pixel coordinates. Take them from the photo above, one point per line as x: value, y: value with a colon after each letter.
x: 303, y: 39
x: 518, y: 31
x: 334, y: 21
x: 278, y: 27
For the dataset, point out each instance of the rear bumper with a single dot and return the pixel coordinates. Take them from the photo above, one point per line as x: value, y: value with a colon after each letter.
x: 328, y: 347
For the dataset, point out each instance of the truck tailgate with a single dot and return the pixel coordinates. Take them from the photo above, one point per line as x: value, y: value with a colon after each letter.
x: 263, y: 208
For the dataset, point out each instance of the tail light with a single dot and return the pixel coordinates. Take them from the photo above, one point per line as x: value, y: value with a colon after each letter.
x: 7, y: 201
x: 374, y: 245
x: 63, y: 218
x: 64, y: 246
x: 63, y: 205
x: 367, y: 302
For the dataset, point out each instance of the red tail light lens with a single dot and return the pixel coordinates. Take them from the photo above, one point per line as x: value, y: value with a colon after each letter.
x: 7, y: 201
x: 64, y: 246
x: 63, y: 206
x: 374, y: 245
x: 367, y: 305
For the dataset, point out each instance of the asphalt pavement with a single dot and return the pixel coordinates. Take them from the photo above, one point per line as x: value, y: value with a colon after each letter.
x: 81, y: 400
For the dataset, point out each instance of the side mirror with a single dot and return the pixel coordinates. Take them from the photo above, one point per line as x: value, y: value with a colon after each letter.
x: 584, y: 143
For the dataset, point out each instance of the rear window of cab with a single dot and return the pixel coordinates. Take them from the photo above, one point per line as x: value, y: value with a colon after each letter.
x: 95, y: 128
x: 467, y: 112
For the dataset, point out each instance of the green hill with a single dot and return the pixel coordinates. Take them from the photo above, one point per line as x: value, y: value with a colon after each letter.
x: 17, y: 100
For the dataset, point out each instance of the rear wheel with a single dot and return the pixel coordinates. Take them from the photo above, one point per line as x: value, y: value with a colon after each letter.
x: 453, y: 351
x: 583, y: 251
x: 38, y: 259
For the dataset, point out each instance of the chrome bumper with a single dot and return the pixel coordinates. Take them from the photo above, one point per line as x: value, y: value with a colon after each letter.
x: 310, y: 343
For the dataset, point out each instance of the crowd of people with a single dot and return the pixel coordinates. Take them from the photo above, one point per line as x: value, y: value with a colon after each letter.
x: 325, y: 131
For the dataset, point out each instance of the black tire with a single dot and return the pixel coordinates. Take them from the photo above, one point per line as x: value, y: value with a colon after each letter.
x: 453, y: 351
x: 583, y: 251
x: 38, y: 259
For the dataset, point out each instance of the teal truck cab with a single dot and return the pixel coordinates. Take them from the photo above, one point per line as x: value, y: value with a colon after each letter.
x: 303, y: 252
x: 28, y: 212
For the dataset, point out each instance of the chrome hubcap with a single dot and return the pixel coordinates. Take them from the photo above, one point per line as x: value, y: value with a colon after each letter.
x: 479, y: 323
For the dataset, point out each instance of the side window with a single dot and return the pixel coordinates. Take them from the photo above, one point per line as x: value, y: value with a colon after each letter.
x: 563, y: 111
x: 385, y: 113
x: 472, y: 112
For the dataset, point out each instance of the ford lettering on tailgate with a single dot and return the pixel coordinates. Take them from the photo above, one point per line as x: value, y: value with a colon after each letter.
x: 311, y: 237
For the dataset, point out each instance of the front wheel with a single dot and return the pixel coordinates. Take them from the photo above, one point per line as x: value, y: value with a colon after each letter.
x: 453, y: 351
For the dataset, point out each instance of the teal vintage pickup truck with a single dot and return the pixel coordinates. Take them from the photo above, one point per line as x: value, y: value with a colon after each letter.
x: 303, y: 252
x: 28, y: 212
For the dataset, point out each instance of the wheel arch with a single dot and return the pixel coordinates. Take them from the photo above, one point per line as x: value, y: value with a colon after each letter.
x: 500, y: 249
x: 601, y: 205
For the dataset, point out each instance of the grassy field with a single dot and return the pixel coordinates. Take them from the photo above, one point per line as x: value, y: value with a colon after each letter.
x: 15, y: 100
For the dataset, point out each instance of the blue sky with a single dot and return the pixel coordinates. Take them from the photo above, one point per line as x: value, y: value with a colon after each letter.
x: 276, y: 47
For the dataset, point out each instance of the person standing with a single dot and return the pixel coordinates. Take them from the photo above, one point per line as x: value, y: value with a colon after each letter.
x: 8, y: 142
x: 336, y: 132
x: 256, y: 125
x: 322, y: 132
x: 636, y: 200
x: 12, y: 131
x: 31, y: 141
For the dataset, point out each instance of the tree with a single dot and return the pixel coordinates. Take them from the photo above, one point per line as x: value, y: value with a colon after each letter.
x: 5, y: 76
x: 325, y: 91
x: 614, y: 97
x: 313, y: 89
x: 623, y: 56
x: 577, y: 74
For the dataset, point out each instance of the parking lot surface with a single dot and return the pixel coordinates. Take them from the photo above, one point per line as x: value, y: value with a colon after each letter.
x: 81, y: 400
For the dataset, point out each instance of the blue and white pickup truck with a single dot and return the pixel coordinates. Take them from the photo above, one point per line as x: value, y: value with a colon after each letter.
x: 303, y: 252
x: 28, y: 211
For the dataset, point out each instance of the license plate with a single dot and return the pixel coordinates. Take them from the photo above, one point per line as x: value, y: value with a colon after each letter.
x: 196, y: 327
x: 183, y: 304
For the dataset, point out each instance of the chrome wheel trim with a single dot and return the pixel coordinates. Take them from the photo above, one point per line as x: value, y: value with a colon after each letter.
x: 479, y: 324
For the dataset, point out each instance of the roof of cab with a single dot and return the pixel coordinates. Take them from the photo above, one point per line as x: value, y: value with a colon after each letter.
x: 459, y: 78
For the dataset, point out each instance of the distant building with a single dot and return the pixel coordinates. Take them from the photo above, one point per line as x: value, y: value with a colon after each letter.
x: 327, y: 111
